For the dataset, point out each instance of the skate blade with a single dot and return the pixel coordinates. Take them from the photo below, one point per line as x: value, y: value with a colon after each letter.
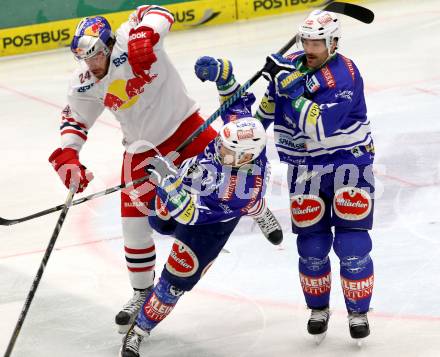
x: 123, y: 329
x: 319, y: 338
x: 360, y: 342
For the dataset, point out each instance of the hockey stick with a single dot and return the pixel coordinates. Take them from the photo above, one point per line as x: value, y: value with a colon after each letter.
x: 209, y: 121
x: 355, y: 11
x: 40, y: 272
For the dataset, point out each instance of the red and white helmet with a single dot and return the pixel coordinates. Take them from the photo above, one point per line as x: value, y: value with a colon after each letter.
x: 321, y: 25
x: 240, y: 137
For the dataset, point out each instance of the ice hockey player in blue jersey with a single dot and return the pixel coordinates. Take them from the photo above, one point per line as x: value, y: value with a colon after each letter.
x: 316, y: 99
x: 202, y: 202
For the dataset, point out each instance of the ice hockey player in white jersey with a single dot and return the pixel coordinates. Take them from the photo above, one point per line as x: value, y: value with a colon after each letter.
x: 130, y: 74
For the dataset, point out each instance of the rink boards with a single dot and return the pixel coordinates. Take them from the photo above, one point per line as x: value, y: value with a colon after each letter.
x: 188, y: 15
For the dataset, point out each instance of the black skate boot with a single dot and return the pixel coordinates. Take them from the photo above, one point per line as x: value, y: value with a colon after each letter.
x: 359, y: 327
x: 132, y: 342
x: 270, y: 227
x: 125, y: 318
x: 318, y: 323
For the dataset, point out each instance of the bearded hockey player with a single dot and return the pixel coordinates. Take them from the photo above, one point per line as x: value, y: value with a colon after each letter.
x: 316, y: 100
x: 130, y: 74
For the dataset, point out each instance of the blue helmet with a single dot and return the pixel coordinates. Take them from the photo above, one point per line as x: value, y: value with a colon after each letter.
x: 91, y: 36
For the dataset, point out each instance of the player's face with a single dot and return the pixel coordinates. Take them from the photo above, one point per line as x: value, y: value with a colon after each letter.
x: 98, y: 64
x: 228, y: 158
x: 316, y: 52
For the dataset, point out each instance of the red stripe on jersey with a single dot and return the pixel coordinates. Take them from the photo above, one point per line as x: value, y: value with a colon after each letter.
x: 168, y: 17
x: 139, y: 251
x: 71, y: 120
x: 138, y: 270
x: 140, y: 12
x: 349, y: 65
x: 71, y: 131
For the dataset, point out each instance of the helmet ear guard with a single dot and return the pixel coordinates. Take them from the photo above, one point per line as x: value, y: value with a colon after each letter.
x: 93, y: 34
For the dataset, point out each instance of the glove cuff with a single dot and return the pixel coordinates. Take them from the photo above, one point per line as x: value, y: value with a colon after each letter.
x: 62, y: 156
x: 225, y: 71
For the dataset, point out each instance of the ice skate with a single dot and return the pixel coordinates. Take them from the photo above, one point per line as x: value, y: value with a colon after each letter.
x: 270, y: 227
x: 132, y: 342
x: 359, y: 327
x: 318, y: 323
x: 125, y: 318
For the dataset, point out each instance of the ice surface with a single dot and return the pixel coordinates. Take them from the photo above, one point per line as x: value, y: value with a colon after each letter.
x: 250, y: 303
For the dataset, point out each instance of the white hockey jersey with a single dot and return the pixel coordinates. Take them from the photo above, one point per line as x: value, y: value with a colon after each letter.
x: 148, y: 111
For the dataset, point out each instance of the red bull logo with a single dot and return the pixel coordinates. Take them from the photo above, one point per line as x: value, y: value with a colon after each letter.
x: 94, y: 29
x: 123, y: 94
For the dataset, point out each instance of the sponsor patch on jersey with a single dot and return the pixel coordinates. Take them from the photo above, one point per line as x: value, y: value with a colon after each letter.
x: 229, y: 188
x: 182, y: 261
x: 312, y: 84
x: 84, y: 89
x: 352, y: 203
x: 357, y: 289
x: 287, y: 141
x: 313, y: 114
x: 162, y: 210
x: 156, y: 310
x: 306, y: 210
x: 255, y: 191
x: 187, y: 214
x: 118, y: 61
x: 344, y: 94
x: 123, y: 94
x: 349, y: 65
x: 328, y: 76
x: 316, y: 286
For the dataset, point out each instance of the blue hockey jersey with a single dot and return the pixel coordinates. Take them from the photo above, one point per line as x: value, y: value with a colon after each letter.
x: 328, y: 124
x: 212, y: 192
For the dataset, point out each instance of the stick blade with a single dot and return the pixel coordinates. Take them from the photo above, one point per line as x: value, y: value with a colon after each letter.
x: 6, y: 222
x: 355, y: 11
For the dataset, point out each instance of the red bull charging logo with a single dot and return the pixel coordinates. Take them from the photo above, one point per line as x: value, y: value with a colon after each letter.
x: 123, y: 94
x: 93, y: 30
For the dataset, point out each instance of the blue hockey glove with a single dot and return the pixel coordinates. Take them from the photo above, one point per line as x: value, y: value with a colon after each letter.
x: 213, y: 70
x: 289, y: 84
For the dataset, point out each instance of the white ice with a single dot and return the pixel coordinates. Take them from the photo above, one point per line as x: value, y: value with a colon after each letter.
x: 250, y: 303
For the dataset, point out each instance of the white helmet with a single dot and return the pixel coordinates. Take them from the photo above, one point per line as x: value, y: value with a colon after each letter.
x: 240, y: 137
x: 321, y: 25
